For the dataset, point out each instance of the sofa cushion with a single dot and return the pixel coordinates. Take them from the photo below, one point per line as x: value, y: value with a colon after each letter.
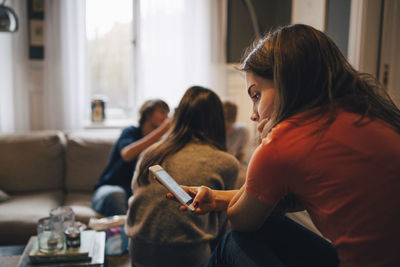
x: 86, y: 157
x: 19, y: 215
x: 32, y: 161
x: 80, y: 204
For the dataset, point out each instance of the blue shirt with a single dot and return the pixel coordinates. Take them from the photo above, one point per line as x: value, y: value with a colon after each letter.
x: 118, y: 171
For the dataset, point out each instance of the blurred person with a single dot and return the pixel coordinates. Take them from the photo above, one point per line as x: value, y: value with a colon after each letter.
x: 237, y: 134
x: 113, y: 189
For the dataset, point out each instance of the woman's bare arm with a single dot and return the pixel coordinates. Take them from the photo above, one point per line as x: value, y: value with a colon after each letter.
x: 246, y: 212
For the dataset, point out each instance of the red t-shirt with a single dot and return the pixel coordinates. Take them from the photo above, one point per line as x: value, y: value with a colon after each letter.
x: 348, y: 178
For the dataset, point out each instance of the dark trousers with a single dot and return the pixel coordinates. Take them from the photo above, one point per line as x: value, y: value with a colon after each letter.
x: 110, y: 200
x: 280, y: 242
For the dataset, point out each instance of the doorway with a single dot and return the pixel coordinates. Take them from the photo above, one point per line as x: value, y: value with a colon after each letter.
x: 389, y: 54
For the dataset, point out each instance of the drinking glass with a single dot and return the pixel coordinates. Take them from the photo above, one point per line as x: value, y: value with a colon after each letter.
x: 49, y: 240
x: 62, y: 218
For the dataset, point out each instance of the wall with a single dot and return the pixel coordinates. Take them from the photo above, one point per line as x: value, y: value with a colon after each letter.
x: 36, y: 84
x: 337, y: 27
x: 311, y: 12
x: 241, y: 31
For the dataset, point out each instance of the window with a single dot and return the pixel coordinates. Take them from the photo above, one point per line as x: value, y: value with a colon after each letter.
x: 110, y: 56
x: 178, y: 45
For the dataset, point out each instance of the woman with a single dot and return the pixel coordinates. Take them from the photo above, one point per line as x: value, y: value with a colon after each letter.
x: 330, y: 139
x: 193, y: 152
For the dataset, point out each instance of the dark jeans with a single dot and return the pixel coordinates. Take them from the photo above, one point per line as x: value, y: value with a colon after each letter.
x: 110, y: 200
x: 280, y: 242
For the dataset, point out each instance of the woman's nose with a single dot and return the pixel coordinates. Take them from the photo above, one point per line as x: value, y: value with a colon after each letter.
x: 254, y: 117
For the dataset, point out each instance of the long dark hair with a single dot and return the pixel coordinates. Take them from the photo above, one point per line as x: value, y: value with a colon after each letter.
x: 310, y: 73
x: 199, y: 116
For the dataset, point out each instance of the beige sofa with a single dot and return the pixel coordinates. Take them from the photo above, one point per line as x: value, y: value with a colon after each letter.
x: 46, y: 169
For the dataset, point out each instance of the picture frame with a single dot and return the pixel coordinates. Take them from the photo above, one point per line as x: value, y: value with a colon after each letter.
x: 38, y: 6
x: 36, y: 32
x: 36, y: 29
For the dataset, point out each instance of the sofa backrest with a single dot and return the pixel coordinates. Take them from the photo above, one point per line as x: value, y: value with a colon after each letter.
x: 87, y: 154
x: 31, y: 161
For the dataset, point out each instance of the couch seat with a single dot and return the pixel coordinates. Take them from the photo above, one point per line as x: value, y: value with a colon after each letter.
x: 34, y: 205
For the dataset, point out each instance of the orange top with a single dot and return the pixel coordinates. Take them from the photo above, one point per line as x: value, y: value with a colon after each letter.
x: 348, y: 178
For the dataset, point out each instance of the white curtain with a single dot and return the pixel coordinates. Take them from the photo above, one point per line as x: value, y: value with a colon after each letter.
x: 180, y: 44
x: 14, y: 90
x: 64, y: 66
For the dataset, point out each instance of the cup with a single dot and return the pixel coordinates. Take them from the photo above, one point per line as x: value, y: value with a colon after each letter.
x: 49, y: 240
x: 73, y: 238
x: 62, y: 218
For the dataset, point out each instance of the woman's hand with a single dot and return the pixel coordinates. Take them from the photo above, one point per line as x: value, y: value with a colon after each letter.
x: 261, y: 125
x: 207, y: 199
x: 203, y: 202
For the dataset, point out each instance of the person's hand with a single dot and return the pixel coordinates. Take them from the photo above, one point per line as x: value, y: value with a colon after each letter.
x: 163, y: 128
x: 261, y: 125
x: 203, y: 202
x: 165, y: 125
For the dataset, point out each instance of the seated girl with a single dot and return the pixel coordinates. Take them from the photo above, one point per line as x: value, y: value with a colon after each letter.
x: 193, y: 152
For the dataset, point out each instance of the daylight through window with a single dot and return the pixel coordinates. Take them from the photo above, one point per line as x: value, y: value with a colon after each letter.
x: 109, y: 47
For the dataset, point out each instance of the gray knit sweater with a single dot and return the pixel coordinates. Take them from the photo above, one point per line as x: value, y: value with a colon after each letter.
x: 156, y: 220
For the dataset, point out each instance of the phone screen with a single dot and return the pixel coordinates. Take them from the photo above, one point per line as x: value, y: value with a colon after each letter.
x: 174, y: 186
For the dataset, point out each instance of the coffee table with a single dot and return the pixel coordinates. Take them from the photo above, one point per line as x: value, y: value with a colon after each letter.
x: 10, y: 256
x: 112, y: 261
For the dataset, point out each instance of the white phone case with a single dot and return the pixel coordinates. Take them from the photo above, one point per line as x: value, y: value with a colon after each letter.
x: 165, y: 179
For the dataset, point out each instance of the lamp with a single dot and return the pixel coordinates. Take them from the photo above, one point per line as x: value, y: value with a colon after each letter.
x: 8, y: 19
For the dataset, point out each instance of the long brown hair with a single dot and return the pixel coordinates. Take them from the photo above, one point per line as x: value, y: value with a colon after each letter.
x: 310, y: 73
x: 199, y: 116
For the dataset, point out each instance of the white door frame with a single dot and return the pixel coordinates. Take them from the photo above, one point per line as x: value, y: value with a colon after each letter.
x: 389, y: 65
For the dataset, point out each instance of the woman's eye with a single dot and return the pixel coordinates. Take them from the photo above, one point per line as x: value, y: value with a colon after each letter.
x: 255, y: 96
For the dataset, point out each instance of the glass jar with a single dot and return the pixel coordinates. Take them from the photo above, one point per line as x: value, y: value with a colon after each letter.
x: 62, y: 218
x: 49, y: 240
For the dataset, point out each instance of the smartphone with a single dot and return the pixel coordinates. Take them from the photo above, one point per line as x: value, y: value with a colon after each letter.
x: 165, y: 179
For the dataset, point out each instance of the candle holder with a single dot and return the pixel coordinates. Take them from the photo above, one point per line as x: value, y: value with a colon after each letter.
x: 72, y: 238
